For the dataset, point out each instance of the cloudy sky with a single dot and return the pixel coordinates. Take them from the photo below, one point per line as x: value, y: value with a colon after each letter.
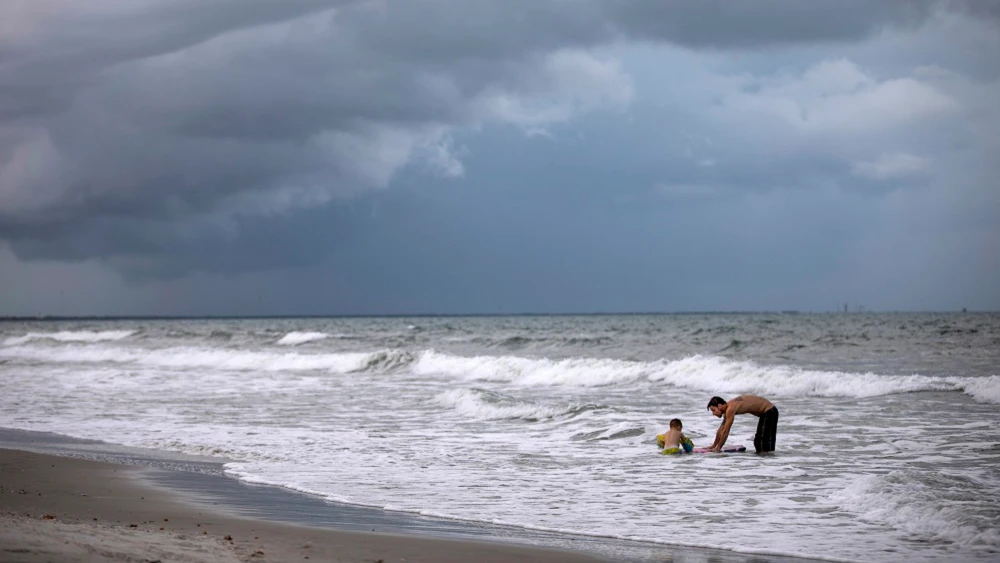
x: 481, y: 156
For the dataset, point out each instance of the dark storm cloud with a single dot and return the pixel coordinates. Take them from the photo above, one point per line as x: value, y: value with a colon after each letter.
x: 168, y: 136
x: 989, y: 9
x: 492, y: 29
x: 51, y: 47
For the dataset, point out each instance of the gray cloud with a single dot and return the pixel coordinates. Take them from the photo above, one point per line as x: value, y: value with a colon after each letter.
x: 52, y: 48
x: 166, y: 137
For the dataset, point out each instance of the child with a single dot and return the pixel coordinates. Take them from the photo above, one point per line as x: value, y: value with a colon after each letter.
x: 674, y: 441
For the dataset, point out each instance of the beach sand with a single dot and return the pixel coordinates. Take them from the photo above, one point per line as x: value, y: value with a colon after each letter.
x: 60, y: 509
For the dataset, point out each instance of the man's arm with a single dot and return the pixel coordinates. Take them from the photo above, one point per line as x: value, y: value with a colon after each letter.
x: 723, y: 433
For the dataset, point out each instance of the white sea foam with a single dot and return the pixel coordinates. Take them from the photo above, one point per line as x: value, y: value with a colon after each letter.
x: 702, y: 373
x: 587, y: 372
x: 982, y: 389
x: 70, y: 336
x: 296, y: 338
x: 926, y: 505
x: 195, y: 357
x: 712, y: 373
x: 188, y: 357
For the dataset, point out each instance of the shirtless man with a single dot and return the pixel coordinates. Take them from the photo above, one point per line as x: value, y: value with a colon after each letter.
x: 763, y: 440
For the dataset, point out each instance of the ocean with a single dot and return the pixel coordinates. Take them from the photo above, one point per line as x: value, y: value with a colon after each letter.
x: 887, y: 450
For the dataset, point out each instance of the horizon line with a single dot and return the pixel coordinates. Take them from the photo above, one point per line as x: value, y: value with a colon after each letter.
x: 8, y: 318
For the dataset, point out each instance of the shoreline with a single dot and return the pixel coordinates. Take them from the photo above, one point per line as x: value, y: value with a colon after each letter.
x: 60, y: 508
x: 98, y: 490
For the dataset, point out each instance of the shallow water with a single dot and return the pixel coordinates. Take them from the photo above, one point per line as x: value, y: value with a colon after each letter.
x: 887, y: 442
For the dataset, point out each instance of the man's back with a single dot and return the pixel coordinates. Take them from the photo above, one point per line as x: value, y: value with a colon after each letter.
x: 749, y: 404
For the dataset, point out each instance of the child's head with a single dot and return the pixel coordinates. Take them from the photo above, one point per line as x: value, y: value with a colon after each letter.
x: 676, y: 423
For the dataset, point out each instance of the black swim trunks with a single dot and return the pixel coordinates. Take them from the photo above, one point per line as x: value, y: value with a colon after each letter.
x: 767, y: 427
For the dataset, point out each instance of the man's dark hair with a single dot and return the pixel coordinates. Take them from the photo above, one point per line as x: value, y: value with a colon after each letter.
x: 716, y: 401
x: 676, y: 423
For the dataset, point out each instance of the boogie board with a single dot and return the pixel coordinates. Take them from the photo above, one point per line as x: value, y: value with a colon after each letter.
x: 725, y: 450
x: 693, y: 450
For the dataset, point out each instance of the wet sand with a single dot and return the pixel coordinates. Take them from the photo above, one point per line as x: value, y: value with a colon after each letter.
x: 69, y: 499
x: 76, y: 510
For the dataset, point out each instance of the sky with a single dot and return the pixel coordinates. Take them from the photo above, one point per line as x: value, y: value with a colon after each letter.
x: 313, y: 157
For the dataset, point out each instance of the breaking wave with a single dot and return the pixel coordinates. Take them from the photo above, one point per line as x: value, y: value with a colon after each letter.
x: 188, y: 357
x: 296, y: 338
x: 70, y: 336
x: 702, y: 373
x: 982, y: 389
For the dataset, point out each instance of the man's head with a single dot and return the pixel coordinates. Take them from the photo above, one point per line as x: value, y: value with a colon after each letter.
x: 676, y: 423
x: 718, y: 406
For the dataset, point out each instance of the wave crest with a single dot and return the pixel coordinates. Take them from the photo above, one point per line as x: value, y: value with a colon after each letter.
x: 982, y: 389
x: 296, y: 338
x: 590, y: 372
x: 711, y: 374
x: 716, y: 374
x: 702, y: 373
x: 70, y: 336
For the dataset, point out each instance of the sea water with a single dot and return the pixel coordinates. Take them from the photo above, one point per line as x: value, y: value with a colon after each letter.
x: 887, y: 446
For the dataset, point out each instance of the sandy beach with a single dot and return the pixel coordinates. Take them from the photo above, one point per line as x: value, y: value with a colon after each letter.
x: 73, y: 510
